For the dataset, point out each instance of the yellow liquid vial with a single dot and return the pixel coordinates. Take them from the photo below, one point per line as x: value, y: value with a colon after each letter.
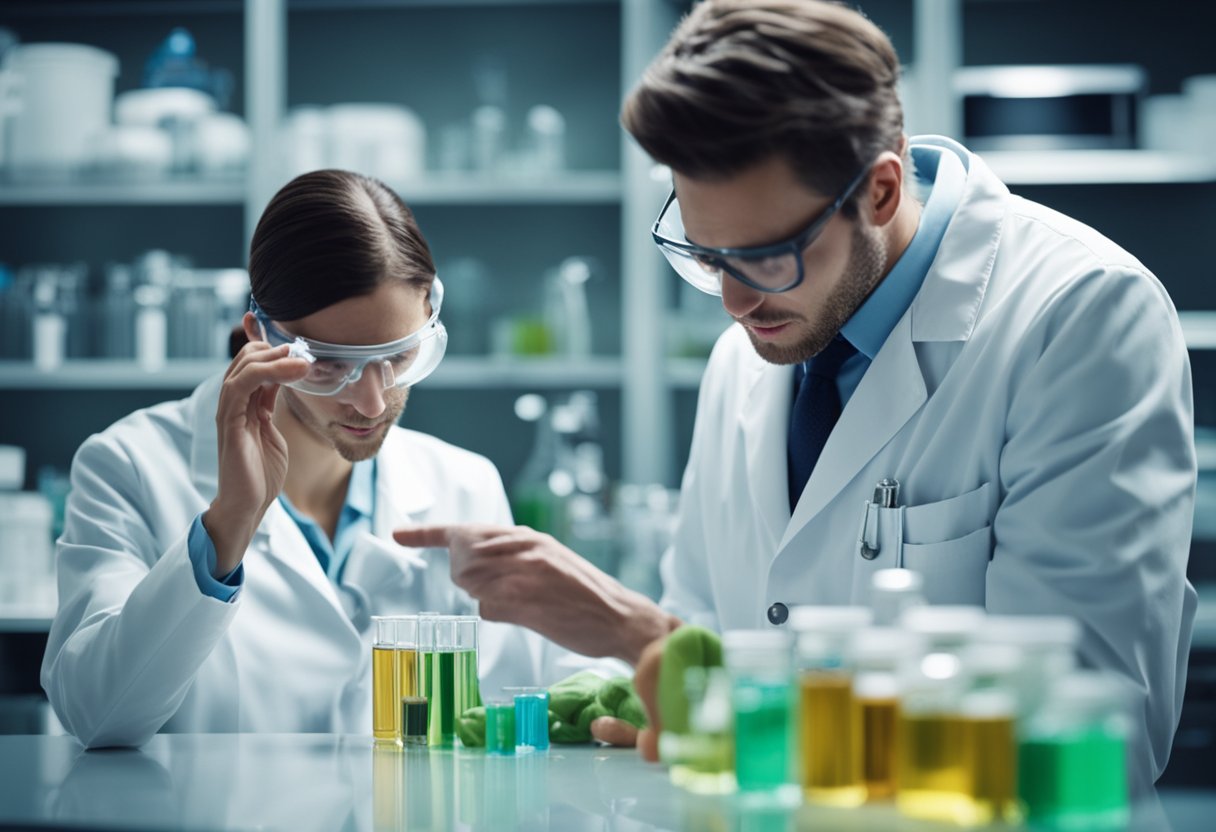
x: 386, y: 700
x: 933, y: 776
x: 879, y: 744
x: 992, y: 766
x: 830, y: 739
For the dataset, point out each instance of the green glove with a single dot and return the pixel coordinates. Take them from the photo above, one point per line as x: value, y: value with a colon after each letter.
x: 471, y: 727
x: 574, y: 703
x: 686, y: 647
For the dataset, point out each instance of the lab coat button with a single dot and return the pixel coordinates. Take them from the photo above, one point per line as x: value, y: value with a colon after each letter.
x: 777, y: 613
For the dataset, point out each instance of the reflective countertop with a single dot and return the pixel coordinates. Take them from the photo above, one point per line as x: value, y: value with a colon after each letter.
x: 327, y: 782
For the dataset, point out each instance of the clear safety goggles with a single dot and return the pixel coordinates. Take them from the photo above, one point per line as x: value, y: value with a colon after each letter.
x: 400, y: 363
x: 772, y: 268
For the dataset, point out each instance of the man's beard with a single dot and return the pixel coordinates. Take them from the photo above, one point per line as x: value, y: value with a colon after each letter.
x: 867, y: 260
x: 352, y: 450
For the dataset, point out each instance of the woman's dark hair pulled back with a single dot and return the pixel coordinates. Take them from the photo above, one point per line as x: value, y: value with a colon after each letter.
x: 330, y: 235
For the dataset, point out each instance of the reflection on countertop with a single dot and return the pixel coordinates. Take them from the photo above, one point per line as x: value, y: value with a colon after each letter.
x: 327, y: 782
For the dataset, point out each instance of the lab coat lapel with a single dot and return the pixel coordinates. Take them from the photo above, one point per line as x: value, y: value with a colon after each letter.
x: 280, y: 538
x: 945, y: 309
x: 402, y: 494
x: 892, y: 389
x: 765, y: 423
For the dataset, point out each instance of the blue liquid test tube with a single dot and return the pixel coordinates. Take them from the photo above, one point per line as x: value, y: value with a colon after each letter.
x: 531, y: 718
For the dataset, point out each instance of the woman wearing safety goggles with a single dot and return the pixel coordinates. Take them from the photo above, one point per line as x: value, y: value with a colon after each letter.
x: 400, y: 363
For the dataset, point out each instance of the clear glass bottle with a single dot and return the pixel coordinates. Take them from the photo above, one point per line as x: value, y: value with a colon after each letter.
x: 990, y: 709
x: 829, y: 717
x: 892, y: 591
x: 1072, y: 754
x: 876, y: 654
x: 760, y: 663
x: 932, y: 738
x: 702, y: 761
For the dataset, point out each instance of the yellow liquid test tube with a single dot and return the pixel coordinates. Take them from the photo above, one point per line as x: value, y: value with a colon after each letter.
x: 933, y: 776
x: 831, y: 741
x: 386, y: 708
x: 879, y: 746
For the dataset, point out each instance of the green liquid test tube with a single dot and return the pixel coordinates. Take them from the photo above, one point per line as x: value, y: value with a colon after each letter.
x: 500, y: 727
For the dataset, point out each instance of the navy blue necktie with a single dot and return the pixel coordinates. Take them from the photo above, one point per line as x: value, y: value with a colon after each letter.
x: 816, y: 409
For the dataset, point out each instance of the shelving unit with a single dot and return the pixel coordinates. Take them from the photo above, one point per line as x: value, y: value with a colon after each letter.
x: 1099, y: 167
x: 455, y: 373
x: 127, y: 193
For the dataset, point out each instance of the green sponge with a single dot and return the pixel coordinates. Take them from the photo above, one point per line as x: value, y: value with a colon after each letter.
x: 686, y: 647
x: 574, y: 703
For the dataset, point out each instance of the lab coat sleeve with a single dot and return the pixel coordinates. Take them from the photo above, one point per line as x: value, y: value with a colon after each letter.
x: 132, y: 628
x: 1098, y: 487
x: 684, y: 568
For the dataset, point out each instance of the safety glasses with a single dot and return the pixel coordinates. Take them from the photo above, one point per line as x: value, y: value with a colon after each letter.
x: 332, y: 367
x: 772, y: 268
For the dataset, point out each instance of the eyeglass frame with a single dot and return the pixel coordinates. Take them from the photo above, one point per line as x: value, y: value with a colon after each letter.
x: 794, y: 245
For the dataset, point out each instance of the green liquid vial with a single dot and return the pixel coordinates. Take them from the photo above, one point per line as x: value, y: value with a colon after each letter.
x: 762, y: 735
x: 1072, y: 755
x: 500, y: 727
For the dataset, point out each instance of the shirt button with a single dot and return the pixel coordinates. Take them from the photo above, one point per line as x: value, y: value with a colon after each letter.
x: 777, y: 613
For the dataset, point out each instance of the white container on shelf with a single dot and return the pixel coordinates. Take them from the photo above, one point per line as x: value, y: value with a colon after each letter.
x: 26, y: 550
x: 66, y: 93
x: 386, y: 141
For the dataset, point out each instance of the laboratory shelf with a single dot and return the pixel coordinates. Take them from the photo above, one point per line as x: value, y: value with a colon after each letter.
x: 105, y: 375
x: 458, y: 373
x: 562, y: 188
x: 455, y: 373
x: 168, y: 192
x: 1098, y: 167
x: 26, y: 619
x: 1199, y: 329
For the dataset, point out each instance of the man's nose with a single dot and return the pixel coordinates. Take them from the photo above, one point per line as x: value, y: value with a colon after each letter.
x: 738, y: 299
x: 367, y: 394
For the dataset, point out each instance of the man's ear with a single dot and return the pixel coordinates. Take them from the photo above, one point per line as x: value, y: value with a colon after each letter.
x: 885, y: 193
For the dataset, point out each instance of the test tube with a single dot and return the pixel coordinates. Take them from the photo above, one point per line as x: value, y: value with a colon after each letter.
x: 386, y: 718
x: 437, y: 676
x: 500, y: 726
x: 468, y: 689
x: 760, y: 665
x: 531, y: 718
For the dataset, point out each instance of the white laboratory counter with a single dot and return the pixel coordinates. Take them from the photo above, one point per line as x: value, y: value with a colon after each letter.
x: 325, y: 782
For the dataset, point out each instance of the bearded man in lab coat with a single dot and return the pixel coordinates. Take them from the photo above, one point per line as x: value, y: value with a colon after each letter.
x: 899, y: 315
x: 222, y: 554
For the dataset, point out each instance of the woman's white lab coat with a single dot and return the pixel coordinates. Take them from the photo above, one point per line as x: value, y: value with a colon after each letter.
x: 1035, y: 405
x: 137, y: 648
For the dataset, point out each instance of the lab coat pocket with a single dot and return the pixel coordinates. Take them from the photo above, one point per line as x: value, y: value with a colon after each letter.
x: 954, y: 570
x: 949, y: 519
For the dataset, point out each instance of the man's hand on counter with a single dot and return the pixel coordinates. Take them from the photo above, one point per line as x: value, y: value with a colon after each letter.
x: 522, y: 576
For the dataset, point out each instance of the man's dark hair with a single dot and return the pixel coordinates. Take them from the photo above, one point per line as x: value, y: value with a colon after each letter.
x: 742, y: 81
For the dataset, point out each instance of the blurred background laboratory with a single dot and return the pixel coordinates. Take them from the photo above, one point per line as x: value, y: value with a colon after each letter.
x: 141, y: 139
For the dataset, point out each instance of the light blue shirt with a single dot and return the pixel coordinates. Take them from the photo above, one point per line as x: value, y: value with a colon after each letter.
x: 356, y: 517
x: 941, y: 177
